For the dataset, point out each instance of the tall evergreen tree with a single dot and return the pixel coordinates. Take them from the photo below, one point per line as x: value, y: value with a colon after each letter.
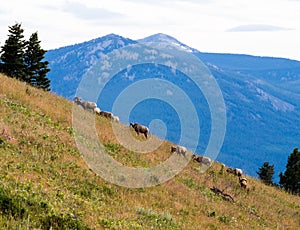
x: 36, y: 68
x: 12, y: 53
x: 265, y: 173
x: 290, y: 180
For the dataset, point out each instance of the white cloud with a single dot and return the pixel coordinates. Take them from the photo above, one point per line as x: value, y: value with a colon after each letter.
x: 81, y: 11
x: 256, y: 27
x: 168, y: 2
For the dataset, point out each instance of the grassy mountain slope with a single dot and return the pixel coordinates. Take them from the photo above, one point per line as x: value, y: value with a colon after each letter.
x: 45, y: 182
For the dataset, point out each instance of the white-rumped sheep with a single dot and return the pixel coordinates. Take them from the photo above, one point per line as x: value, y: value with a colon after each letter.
x: 236, y: 171
x: 115, y: 119
x: 243, y: 182
x: 202, y: 159
x: 140, y: 129
x: 85, y: 104
x: 89, y: 105
x: 179, y: 149
x: 97, y: 111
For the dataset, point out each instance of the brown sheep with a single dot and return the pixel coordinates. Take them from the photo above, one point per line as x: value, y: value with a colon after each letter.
x: 140, y: 129
x: 243, y: 182
x: 236, y: 171
x: 179, y: 150
x: 202, y: 159
x: 85, y: 104
x: 77, y: 100
x: 106, y: 114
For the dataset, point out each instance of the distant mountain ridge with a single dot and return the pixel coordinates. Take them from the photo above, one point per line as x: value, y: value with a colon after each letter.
x: 262, y: 97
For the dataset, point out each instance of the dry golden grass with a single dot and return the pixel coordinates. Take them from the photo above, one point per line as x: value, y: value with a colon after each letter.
x: 42, y: 169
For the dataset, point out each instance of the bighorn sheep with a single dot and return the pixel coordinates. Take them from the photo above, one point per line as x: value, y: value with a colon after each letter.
x: 140, y: 129
x: 106, y: 114
x: 115, y: 118
x: 179, y: 150
x: 77, y: 100
x: 97, y: 111
x: 202, y: 159
x: 85, y: 104
x: 243, y: 182
x: 236, y: 171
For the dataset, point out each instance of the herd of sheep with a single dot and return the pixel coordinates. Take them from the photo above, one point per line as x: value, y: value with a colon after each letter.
x: 207, y: 161
x: 181, y: 150
x: 87, y: 105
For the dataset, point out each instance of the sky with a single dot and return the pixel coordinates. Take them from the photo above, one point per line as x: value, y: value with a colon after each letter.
x: 256, y: 27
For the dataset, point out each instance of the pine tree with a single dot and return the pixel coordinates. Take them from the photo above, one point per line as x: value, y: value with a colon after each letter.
x: 36, y: 68
x: 265, y: 173
x: 290, y: 180
x: 12, y: 53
